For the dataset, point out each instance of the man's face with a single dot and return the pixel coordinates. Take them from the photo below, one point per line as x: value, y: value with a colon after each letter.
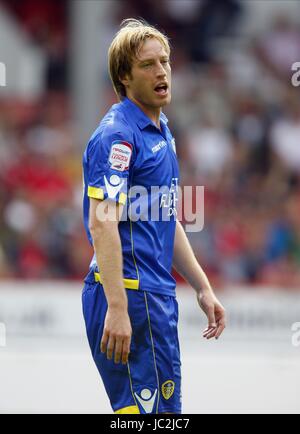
x: 150, y: 80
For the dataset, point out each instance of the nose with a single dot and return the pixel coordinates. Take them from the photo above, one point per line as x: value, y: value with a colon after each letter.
x: 160, y: 71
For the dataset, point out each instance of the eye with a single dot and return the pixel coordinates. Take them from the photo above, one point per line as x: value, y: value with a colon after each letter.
x: 165, y: 62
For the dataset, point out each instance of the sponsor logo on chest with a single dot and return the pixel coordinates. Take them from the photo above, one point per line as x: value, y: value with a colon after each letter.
x: 159, y: 146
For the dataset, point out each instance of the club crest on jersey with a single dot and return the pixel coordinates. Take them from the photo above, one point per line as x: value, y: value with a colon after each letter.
x: 167, y: 389
x: 120, y: 155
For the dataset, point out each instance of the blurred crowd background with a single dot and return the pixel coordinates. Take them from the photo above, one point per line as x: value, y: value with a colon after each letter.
x: 235, y: 116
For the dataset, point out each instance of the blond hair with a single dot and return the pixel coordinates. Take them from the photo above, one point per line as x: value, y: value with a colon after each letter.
x: 125, y: 47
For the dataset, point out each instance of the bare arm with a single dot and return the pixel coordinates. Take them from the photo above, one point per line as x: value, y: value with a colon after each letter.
x: 107, y: 245
x: 186, y: 264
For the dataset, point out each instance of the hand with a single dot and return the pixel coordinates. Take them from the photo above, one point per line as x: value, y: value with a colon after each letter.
x: 116, y: 335
x: 215, y: 313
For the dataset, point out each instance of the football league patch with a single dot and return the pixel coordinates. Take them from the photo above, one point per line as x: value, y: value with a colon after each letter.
x: 120, y: 155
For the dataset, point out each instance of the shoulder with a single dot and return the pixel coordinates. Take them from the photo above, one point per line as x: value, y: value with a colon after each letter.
x: 116, y: 123
x: 114, y: 126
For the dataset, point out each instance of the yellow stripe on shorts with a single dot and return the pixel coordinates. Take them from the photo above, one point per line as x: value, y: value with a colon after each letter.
x: 133, y: 409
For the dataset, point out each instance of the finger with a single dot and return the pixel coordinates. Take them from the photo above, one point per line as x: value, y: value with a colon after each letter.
x: 210, y: 313
x: 126, y: 350
x: 211, y: 334
x: 211, y: 317
x: 220, y: 330
x: 118, y: 350
x: 104, y: 340
x: 110, y: 347
x: 208, y: 330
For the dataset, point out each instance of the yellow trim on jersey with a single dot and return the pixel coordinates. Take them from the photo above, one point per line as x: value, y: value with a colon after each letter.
x: 98, y: 193
x: 122, y: 198
x: 128, y: 283
x: 95, y: 193
x: 133, y: 409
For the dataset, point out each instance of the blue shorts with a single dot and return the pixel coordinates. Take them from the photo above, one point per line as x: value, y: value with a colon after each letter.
x: 151, y: 381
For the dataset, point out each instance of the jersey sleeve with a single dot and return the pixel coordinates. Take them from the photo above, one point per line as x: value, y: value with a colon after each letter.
x: 110, y: 161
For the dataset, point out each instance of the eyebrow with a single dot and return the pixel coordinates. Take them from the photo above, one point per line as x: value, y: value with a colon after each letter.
x: 151, y: 59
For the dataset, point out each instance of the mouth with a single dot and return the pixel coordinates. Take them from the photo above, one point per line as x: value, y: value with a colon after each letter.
x: 161, y: 89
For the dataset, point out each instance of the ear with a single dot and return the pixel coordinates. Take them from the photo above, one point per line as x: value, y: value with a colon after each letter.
x: 125, y: 80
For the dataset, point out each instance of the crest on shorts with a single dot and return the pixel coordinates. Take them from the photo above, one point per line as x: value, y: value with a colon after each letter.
x: 168, y: 388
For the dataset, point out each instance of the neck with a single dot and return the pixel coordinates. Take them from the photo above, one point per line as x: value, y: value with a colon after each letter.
x: 153, y: 113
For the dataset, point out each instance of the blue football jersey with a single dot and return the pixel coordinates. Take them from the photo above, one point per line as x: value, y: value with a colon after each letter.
x: 131, y: 161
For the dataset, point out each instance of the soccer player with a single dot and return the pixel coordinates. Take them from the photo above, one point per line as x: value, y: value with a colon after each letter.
x: 129, y: 300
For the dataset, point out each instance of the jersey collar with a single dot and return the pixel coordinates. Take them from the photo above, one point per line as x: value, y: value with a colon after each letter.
x: 141, y: 118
